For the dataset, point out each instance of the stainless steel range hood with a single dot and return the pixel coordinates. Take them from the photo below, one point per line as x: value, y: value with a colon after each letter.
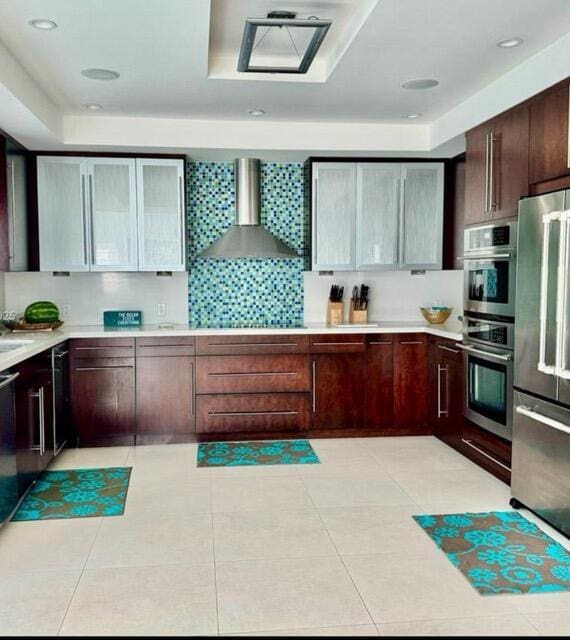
x: 247, y: 238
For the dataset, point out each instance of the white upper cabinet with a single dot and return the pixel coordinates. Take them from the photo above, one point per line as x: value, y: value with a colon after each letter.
x: 378, y: 199
x: 377, y: 216
x: 62, y: 214
x: 334, y: 204
x: 421, y: 219
x: 111, y: 214
x: 161, y: 214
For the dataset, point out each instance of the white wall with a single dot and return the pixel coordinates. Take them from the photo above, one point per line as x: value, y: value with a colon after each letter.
x: 394, y: 295
x: 89, y: 294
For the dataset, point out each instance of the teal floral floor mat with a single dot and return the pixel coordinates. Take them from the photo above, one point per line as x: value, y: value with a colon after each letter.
x: 500, y: 551
x: 76, y: 493
x: 236, y: 454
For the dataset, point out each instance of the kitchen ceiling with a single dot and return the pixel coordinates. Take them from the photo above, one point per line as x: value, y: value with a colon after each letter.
x: 161, y: 50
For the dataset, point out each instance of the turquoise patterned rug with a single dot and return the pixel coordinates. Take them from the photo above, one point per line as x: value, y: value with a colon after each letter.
x: 500, y: 551
x: 76, y: 493
x: 236, y: 454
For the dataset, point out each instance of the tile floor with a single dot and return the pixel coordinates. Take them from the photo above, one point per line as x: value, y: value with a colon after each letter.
x: 325, y: 549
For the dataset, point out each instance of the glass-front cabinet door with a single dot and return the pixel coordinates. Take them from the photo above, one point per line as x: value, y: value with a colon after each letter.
x: 161, y: 215
x: 62, y: 214
x: 112, y: 201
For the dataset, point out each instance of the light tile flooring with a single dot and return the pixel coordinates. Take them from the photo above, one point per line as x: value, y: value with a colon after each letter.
x: 325, y: 549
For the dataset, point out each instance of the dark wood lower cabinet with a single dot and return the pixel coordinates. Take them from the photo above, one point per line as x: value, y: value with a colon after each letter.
x: 34, y: 419
x: 339, y: 391
x: 261, y: 413
x: 103, y: 401
x: 165, y: 402
x: 410, y: 384
x: 380, y: 383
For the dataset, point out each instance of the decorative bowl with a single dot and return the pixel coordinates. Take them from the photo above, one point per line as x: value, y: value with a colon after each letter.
x: 436, y: 315
x: 22, y: 325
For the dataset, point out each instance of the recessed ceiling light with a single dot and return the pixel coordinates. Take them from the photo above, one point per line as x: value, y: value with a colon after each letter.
x: 256, y: 112
x: 94, y: 106
x: 43, y: 23
x: 412, y: 116
x: 511, y: 42
x: 100, y: 74
x: 420, y: 83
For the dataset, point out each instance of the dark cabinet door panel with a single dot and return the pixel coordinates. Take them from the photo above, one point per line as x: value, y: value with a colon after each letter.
x: 254, y: 412
x: 252, y: 374
x: 339, y: 391
x: 410, y: 382
x: 549, y: 133
x: 251, y: 345
x: 103, y: 348
x: 380, y: 382
x: 475, y: 175
x: 103, y: 401
x: 165, y: 396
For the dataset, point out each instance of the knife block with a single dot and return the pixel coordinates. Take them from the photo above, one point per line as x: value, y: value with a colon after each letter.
x: 357, y: 316
x: 334, y: 313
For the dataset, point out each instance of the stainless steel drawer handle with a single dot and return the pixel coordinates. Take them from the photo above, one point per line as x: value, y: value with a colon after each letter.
x: 440, y: 346
x: 121, y: 366
x: 484, y: 453
x: 101, y: 348
x: 412, y: 342
x: 6, y: 380
x: 549, y: 422
x: 336, y: 344
x: 379, y: 342
x: 60, y: 354
x: 253, y: 413
x: 254, y: 373
x: 252, y: 344
x: 488, y: 354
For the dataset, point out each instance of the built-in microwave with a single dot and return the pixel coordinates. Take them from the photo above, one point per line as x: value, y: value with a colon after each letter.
x: 489, y: 268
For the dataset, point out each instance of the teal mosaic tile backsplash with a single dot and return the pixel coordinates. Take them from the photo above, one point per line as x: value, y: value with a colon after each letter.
x: 245, y: 292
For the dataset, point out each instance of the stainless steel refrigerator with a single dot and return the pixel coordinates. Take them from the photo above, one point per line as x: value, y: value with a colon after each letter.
x: 541, y: 431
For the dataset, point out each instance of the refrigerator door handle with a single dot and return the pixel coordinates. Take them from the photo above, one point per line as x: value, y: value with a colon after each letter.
x: 538, y: 417
x: 542, y: 365
x: 562, y: 298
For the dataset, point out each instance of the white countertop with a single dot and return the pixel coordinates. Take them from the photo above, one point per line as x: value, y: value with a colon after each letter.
x: 42, y: 340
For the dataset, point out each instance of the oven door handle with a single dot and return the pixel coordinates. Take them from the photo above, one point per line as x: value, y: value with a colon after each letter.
x: 487, y: 257
x: 499, y: 356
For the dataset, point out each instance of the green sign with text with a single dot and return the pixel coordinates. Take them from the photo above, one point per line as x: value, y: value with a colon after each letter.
x: 122, y: 318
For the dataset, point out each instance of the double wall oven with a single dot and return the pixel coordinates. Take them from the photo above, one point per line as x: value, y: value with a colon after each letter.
x: 488, y: 325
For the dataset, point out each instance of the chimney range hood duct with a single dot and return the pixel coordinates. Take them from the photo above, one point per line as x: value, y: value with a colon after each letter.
x: 247, y: 238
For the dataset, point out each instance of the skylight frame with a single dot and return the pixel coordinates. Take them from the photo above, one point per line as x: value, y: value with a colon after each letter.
x: 321, y: 27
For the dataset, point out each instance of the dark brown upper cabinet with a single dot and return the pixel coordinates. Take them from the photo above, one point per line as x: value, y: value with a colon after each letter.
x: 496, y: 170
x: 549, y: 133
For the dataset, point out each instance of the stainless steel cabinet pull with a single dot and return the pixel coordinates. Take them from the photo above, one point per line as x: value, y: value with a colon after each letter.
x: 252, y: 344
x: 444, y: 348
x: 314, y: 388
x: 335, y: 344
x: 440, y: 411
x: 379, y: 342
x: 193, y: 389
x: 60, y: 354
x: 254, y: 373
x: 549, y: 422
x: 253, y: 413
x: 84, y: 212
x: 484, y: 453
x: 101, y: 348
x: 121, y: 366
x: 6, y: 380
x: 92, y: 219
x: 487, y: 163
x: 412, y: 342
x: 183, y: 218
x: 492, y: 203
x: 488, y: 354
x: 39, y: 396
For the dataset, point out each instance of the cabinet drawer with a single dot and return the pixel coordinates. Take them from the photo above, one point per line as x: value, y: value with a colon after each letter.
x: 255, y: 412
x: 95, y: 364
x: 447, y: 348
x: 103, y: 348
x: 252, y: 374
x: 165, y: 346
x: 338, y: 343
x: 245, y: 345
